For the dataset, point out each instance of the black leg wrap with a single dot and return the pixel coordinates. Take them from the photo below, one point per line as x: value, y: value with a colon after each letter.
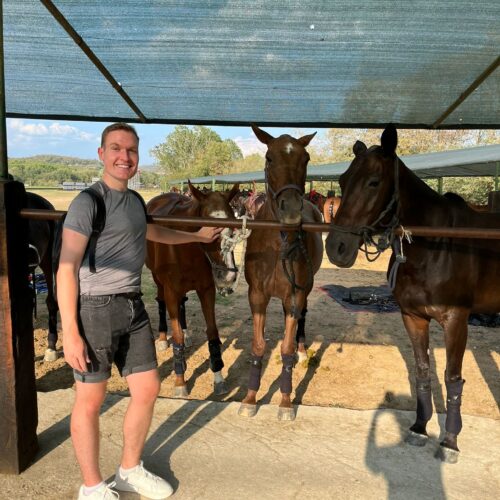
x: 162, y: 315
x: 453, y: 402
x: 255, y: 369
x: 216, y: 363
x: 182, y: 313
x: 424, y: 400
x: 301, y: 328
x: 179, y: 359
x: 286, y: 373
x: 52, y: 340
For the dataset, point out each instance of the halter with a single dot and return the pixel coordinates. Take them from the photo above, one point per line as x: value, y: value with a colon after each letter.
x: 386, y: 238
x: 291, y: 252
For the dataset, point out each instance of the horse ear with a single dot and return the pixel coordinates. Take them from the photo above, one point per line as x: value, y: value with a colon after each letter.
x: 389, y: 140
x: 359, y: 148
x: 306, y: 139
x: 199, y: 195
x: 263, y: 137
x: 234, y: 191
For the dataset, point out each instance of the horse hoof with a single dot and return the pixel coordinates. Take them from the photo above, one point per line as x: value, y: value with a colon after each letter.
x: 50, y: 355
x: 447, y: 455
x: 220, y: 388
x: 416, y: 439
x: 247, y: 410
x: 286, y: 414
x: 180, y: 391
x: 162, y: 345
x: 188, y: 338
x: 301, y: 356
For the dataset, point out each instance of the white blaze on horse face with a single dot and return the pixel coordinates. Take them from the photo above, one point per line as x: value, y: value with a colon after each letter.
x: 289, y: 148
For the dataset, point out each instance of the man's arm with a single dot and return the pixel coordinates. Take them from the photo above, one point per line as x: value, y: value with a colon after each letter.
x: 72, y: 252
x: 161, y: 234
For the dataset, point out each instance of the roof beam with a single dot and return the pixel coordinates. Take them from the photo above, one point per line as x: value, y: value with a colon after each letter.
x: 58, y: 16
x: 473, y: 86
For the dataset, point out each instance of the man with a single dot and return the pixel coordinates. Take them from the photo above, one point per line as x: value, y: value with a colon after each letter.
x: 104, y: 320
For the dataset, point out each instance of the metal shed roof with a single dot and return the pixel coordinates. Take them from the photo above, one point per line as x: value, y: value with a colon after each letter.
x: 469, y: 162
x: 321, y: 63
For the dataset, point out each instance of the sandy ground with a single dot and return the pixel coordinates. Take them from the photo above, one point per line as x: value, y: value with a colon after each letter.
x: 357, y: 360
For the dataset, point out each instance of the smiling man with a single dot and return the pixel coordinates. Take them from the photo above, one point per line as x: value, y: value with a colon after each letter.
x: 104, y: 320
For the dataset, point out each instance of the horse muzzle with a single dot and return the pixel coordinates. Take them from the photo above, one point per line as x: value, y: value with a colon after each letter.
x: 290, y: 205
x: 341, y: 248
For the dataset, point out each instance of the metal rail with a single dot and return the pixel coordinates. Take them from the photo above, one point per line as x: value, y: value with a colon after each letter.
x: 171, y: 220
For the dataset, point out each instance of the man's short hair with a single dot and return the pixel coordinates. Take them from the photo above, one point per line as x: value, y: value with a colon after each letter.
x: 118, y: 126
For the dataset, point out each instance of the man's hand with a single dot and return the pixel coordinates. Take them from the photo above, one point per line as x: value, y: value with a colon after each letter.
x: 75, y: 351
x: 209, y: 234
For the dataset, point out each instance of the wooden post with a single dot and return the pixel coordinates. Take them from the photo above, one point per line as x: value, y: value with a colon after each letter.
x: 494, y: 201
x: 19, y: 411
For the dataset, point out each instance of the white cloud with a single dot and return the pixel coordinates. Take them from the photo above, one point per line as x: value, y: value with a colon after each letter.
x: 250, y: 145
x: 20, y: 130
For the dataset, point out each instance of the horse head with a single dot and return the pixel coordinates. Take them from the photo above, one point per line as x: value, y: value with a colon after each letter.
x: 369, y: 198
x: 286, y: 168
x: 216, y: 204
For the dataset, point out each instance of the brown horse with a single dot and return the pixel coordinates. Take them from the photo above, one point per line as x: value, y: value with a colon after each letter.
x: 330, y: 208
x: 176, y: 269
x: 281, y: 264
x: 41, y: 237
x: 444, y: 279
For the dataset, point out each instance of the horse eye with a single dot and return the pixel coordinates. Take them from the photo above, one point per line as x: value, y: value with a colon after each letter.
x: 374, y: 183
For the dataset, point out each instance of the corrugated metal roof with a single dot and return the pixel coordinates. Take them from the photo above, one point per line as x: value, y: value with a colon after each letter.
x: 468, y: 162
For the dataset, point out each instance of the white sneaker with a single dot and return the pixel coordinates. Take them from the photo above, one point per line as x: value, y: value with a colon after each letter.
x: 143, y: 482
x: 103, y: 493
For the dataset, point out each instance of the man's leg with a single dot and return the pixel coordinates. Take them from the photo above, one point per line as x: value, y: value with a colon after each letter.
x: 144, y: 388
x: 85, y: 429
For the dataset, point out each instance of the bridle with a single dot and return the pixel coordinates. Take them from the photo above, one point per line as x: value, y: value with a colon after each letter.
x: 386, y: 231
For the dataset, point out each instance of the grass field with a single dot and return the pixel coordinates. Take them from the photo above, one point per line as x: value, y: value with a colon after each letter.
x: 62, y: 199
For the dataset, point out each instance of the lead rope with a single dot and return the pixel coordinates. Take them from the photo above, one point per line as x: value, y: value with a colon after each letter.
x: 397, y: 248
x: 228, y: 244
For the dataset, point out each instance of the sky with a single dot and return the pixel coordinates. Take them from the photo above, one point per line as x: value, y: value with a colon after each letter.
x: 81, y: 139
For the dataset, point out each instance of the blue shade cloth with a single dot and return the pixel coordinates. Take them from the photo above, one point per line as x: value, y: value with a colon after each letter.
x: 322, y: 63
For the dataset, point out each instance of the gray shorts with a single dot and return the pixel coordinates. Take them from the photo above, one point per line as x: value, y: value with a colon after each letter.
x: 116, y: 328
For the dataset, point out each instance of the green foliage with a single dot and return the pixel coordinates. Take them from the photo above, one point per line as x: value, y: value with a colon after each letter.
x: 194, y: 152
x: 53, y: 170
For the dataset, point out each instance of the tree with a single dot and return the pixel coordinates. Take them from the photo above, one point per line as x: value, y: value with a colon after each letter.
x: 191, y: 152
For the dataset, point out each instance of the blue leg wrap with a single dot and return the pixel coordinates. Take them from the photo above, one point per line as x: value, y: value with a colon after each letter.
x: 179, y: 359
x: 255, y: 370
x: 424, y: 400
x: 453, y: 401
x: 216, y: 363
x: 286, y: 373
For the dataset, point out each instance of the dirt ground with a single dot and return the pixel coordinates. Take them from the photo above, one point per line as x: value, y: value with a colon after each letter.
x: 357, y: 360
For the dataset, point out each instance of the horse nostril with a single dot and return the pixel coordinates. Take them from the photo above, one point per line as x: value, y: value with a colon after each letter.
x: 341, y: 248
x: 282, y: 205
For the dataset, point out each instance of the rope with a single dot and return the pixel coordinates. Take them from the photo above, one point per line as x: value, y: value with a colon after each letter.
x: 228, y: 245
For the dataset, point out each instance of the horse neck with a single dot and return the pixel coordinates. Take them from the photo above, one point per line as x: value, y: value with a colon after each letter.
x: 418, y: 203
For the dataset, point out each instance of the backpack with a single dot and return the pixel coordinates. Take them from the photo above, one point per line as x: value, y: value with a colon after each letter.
x: 98, y: 224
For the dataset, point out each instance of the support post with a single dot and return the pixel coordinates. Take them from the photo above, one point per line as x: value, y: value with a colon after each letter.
x: 213, y: 183
x: 497, y: 172
x: 19, y: 411
x: 440, y: 185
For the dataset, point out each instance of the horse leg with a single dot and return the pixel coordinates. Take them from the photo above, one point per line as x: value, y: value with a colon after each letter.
x: 162, y: 342
x: 455, y: 338
x: 52, y: 307
x: 418, y: 331
x: 258, y: 304
x: 286, y: 411
x: 188, y: 338
x: 180, y: 386
x: 300, y: 338
x: 207, y: 301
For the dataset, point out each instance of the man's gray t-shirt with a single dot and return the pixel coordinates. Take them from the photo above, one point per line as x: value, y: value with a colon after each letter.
x: 121, y: 247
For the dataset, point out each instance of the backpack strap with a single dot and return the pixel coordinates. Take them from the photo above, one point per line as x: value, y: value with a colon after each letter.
x: 141, y: 199
x: 98, y: 224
